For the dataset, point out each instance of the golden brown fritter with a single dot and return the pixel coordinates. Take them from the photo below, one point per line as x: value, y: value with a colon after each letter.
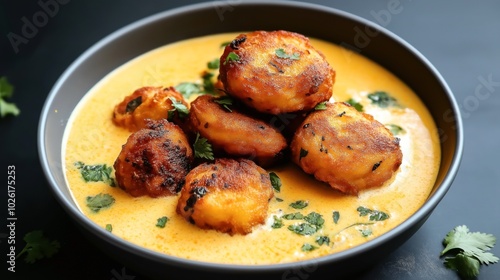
x: 154, y: 161
x: 235, y: 133
x: 276, y: 72
x: 230, y: 196
x: 152, y: 103
x: 345, y: 148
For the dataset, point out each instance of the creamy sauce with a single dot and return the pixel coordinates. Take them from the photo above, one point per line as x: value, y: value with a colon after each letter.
x: 92, y: 138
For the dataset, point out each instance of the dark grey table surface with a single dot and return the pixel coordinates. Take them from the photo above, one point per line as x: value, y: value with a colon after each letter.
x: 461, y: 38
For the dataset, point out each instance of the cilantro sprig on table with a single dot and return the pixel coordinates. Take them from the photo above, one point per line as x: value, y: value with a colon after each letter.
x: 6, y: 90
x: 38, y: 247
x: 465, y: 251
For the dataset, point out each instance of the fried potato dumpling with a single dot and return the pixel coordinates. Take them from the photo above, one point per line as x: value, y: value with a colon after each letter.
x: 235, y: 133
x: 276, y: 72
x: 229, y: 195
x: 145, y: 103
x: 345, y: 148
x: 154, y: 161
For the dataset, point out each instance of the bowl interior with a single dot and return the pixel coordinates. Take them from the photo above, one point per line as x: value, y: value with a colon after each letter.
x: 324, y: 23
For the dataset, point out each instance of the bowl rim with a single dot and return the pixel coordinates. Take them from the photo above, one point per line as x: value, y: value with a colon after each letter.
x: 424, y: 211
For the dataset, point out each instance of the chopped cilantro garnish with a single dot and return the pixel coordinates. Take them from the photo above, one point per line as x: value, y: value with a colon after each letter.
x: 6, y: 90
x: 109, y: 227
x: 374, y: 215
x: 275, y: 181
x: 99, y: 201
x: 202, y: 149
x: 225, y: 102
x: 336, y: 216
x: 231, y: 57
x: 161, y: 222
x: 277, y: 222
x: 395, y: 129
x: 308, y: 247
x: 315, y: 219
x: 213, y: 64
x: 465, y: 251
x: 299, y: 204
x: 355, y: 104
x: 321, y: 106
x: 38, y: 247
x: 96, y: 173
x: 282, y: 54
x: 320, y: 240
x: 303, y: 229
x: 383, y: 99
x: 187, y: 89
x: 179, y: 107
x: 293, y: 216
x: 366, y: 232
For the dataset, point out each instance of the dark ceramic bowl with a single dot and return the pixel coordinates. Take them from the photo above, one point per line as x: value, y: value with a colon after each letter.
x: 321, y: 22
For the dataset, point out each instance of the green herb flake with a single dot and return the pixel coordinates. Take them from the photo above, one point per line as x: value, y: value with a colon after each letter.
x: 99, y: 201
x: 277, y: 222
x: 38, y: 247
x: 213, y: 64
x: 355, y: 104
x: 161, y: 222
x: 231, y: 57
x: 299, y: 204
x: 282, y: 54
x: 279, y: 199
x: 179, y: 107
x: 395, y: 129
x: 366, y: 232
x: 202, y: 148
x: 315, y: 219
x: 187, y: 89
x: 374, y: 215
x: 383, y: 99
x: 336, y: 216
x: 208, y: 84
x: 303, y: 229
x: 321, y: 106
x: 224, y: 44
x: 303, y: 153
x: 109, y: 227
x: 96, y: 173
x: 308, y: 247
x: 225, y: 102
x: 320, y: 240
x: 275, y: 181
x: 293, y: 216
x: 6, y: 91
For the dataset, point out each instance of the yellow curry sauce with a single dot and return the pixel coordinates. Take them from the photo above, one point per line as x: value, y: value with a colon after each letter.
x: 92, y: 138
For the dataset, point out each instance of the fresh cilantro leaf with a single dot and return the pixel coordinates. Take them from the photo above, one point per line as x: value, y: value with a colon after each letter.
x: 299, y: 204
x: 161, y: 222
x: 213, y: 64
x: 187, y: 89
x: 303, y: 229
x: 293, y: 216
x: 275, y: 181
x: 231, y: 57
x: 202, y: 149
x: 374, y: 215
x: 99, y: 201
x: 366, y: 232
x: 109, y: 227
x: 323, y: 240
x: 308, y: 247
x: 277, y: 223
x: 224, y: 44
x: 6, y: 91
x: 279, y: 199
x: 179, y: 107
x: 321, y: 106
x: 38, y: 247
x: 336, y: 216
x: 96, y: 173
x: 315, y: 219
x: 383, y: 99
x: 466, y: 266
x: 225, y: 102
x: 208, y: 84
x: 355, y: 104
x: 395, y: 129
x: 282, y: 54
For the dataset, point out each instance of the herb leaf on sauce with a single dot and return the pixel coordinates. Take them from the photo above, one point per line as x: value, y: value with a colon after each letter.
x: 355, y: 104
x: 213, y: 64
x: 161, y: 222
x: 374, y: 215
x: 308, y: 247
x: 366, y: 232
x: 275, y: 181
x: 395, y: 129
x: 38, y: 247
x: 99, y: 201
x: 202, y: 148
x: 282, y: 54
x: 320, y: 240
x: 187, y: 89
x: 321, y: 106
x: 303, y: 229
x: 277, y: 222
x: 293, y: 216
x: 315, y: 219
x: 96, y: 173
x: 6, y: 90
x: 383, y: 99
x: 109, y: 227
x: 299, y: 204
x: 336, y: 216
